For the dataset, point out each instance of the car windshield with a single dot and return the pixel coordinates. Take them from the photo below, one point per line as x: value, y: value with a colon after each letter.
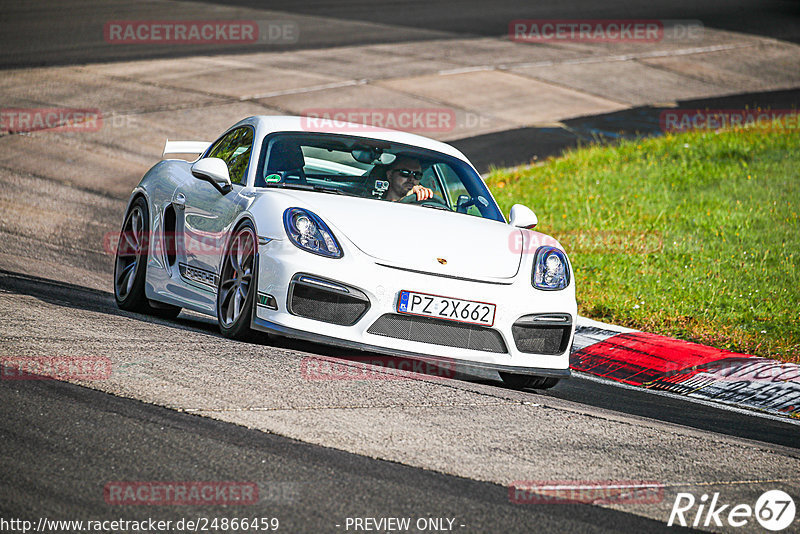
x: 373, y: 169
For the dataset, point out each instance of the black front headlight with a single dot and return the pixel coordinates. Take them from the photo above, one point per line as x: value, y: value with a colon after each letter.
x: 550, y: 269
x: 308, y: 232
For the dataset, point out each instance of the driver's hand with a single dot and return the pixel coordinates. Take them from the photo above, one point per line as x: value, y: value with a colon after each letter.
x: 423, y: 193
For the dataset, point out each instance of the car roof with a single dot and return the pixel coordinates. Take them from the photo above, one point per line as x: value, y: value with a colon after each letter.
x: 267, y: 124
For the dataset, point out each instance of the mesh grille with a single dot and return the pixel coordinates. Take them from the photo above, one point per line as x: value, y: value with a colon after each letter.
x: 328, y: 306
x: 438, y: 332
x: 541, y: 339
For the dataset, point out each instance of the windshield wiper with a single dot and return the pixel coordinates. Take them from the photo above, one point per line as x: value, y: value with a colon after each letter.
x: 284, y: 185
x: 328, y: 189
x: 310, y: 187
x: 436, y: 207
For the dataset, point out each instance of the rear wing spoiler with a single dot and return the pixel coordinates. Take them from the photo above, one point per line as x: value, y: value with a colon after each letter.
x: 184, y: 147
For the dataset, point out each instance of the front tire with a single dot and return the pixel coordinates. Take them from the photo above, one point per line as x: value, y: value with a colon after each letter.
x: 237, y: 284
x: 516, y: 381
x: 130, y: 264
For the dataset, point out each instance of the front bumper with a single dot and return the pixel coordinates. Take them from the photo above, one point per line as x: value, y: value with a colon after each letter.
x: 280, y: 262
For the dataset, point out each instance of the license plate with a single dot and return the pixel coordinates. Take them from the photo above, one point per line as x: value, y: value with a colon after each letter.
x: 450, y: 309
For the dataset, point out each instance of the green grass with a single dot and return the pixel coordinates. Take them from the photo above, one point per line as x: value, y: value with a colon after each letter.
x: 693, y: 235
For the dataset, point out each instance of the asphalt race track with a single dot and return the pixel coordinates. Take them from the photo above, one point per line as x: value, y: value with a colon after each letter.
x: 308, y: 487
x: 35, y: 34
x: 185, y: 404
x: 62, y: 443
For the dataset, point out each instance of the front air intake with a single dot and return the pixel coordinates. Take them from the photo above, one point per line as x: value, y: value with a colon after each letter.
x: 542, y: 334
x: 324, y: 300
x: 438, y: 332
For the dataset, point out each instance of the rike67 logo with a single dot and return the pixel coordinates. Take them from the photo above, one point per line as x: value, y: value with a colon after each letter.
x: 774, y: 510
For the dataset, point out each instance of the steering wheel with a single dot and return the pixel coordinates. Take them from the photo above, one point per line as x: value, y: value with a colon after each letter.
x: 433, y: 201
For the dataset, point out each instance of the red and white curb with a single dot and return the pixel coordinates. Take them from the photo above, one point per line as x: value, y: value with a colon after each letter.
x: 696, y: 371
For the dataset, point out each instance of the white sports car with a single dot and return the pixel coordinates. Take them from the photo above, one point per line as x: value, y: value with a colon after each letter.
x: 369, y: 239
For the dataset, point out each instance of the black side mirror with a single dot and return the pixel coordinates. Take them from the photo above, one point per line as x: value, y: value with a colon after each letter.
x: 463, y: 203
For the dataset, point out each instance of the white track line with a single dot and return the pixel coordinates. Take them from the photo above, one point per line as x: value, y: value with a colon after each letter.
x: 626, y: 57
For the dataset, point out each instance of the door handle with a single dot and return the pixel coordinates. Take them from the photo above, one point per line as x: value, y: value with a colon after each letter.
x: 179, y: 201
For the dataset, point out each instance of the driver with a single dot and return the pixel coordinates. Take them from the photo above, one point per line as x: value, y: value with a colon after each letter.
x: 404, y: 175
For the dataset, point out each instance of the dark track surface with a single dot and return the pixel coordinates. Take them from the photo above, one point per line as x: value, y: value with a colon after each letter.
x: 71, y: 31
x: 576, y: 389
x: 773, y: 18
x: 62, y: 443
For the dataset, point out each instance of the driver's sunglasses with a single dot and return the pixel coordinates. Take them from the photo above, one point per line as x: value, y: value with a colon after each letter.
x: 405, y: 173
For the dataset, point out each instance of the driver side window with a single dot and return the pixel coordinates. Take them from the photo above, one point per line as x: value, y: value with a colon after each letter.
x: 235, y: 149
x: 429, y: 180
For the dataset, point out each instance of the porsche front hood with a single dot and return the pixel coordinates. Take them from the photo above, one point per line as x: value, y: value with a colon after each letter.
x: 419, y: 238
